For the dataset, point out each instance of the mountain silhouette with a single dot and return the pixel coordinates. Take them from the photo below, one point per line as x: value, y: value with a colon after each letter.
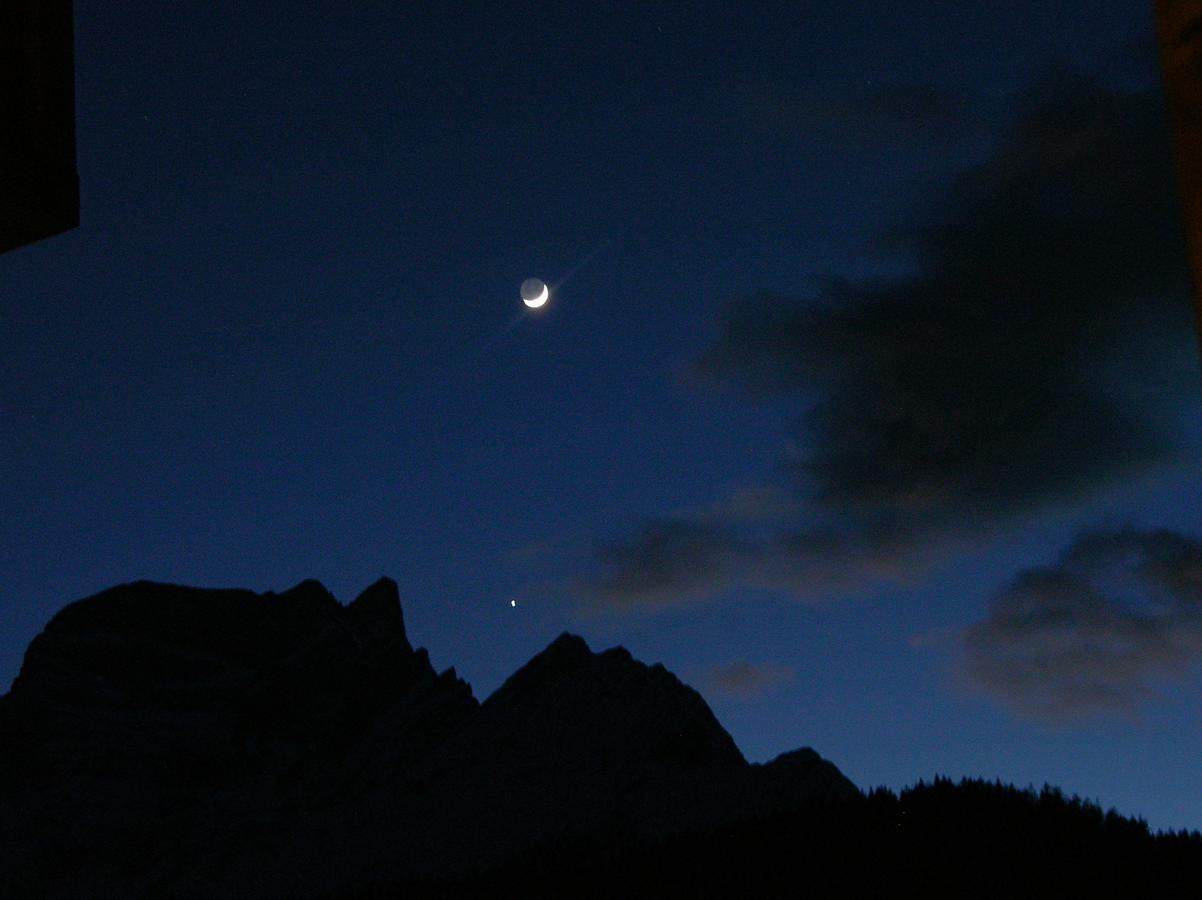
x: 163, y: 740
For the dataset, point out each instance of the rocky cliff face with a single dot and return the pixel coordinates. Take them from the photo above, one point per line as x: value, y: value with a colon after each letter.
x: 165, y: 739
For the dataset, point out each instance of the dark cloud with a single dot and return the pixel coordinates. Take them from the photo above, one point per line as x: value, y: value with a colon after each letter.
x: 753, y: 538
x: 869, y: 114
x: 1024, y: 363
x: 1092, y: 633
x: 742, y: 680
x: 666, y: 561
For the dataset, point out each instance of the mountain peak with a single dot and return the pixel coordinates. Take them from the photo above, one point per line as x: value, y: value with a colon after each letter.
x: 803, y: 773
x: 310, y: 592
x: 610, y: 705
x: 565, y: 654
x: 380, y: 602
x: 381, y: 591
x: 291, y: 700
x: 567, y: 647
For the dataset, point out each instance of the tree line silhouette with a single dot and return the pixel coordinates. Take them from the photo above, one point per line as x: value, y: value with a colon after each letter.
x: 974, y: 838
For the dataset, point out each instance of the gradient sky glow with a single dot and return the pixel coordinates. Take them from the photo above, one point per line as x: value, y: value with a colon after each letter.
x: 871, y: 407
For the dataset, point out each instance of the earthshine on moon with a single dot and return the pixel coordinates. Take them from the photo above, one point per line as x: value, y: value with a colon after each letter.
x: 534, y: 292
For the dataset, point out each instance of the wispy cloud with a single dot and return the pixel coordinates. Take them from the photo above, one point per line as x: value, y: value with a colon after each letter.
x: 865, y: 115
x: 1023, y: 364
x: 1092, y: 633
x: 742, y: 680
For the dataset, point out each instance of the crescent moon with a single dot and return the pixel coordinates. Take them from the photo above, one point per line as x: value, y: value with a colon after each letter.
x: 539, y: 300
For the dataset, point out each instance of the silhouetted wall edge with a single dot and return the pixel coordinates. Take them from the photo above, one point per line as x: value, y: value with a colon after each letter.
x: 39, y: 183
x: 1179, y: 34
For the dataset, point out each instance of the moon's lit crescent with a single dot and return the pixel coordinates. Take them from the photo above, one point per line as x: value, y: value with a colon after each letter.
x: 539, y: 300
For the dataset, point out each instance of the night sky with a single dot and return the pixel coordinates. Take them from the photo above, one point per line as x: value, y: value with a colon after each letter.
x: 867, y: 399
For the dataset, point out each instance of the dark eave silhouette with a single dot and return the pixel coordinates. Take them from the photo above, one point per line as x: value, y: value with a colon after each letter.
x: 39, y: 184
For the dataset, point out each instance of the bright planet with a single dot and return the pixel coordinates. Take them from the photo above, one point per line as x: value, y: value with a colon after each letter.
x: 534, y: 292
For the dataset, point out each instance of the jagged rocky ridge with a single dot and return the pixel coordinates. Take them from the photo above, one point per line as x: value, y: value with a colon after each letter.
x: 171, y: 741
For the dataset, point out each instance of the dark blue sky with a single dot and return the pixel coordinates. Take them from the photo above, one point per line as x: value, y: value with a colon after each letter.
x: 870, y: 406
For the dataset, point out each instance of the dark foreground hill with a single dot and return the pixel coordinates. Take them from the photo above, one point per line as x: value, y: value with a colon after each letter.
x: 164, y: 741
